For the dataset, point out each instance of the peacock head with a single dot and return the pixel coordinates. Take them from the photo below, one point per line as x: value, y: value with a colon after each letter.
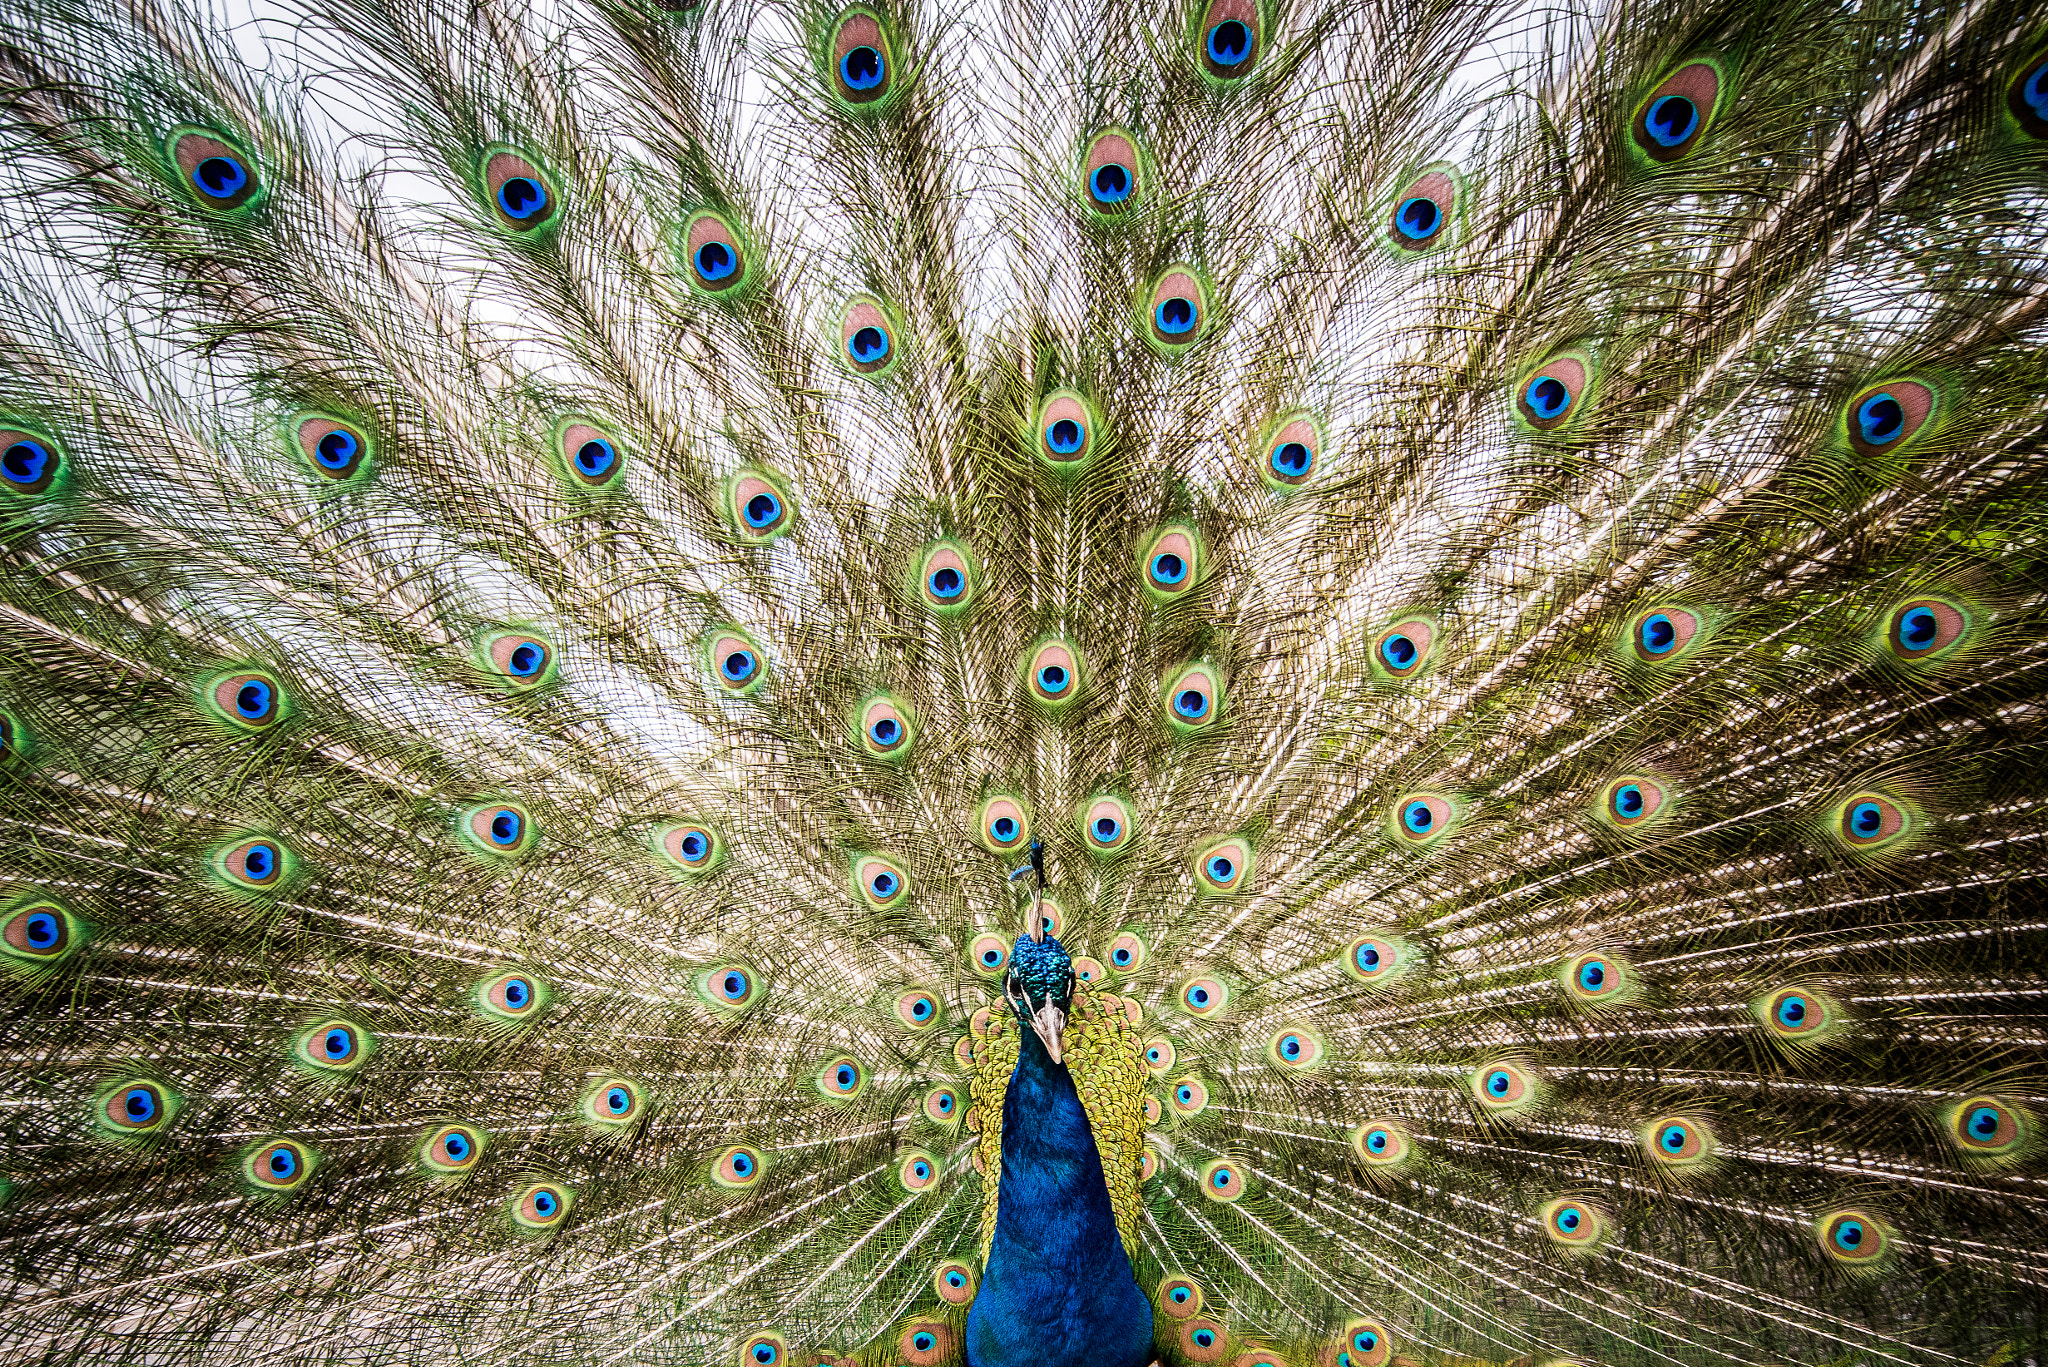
x: 1040, y: 988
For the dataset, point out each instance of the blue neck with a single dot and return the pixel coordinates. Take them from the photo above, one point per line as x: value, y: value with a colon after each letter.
x: 1058, y: 1289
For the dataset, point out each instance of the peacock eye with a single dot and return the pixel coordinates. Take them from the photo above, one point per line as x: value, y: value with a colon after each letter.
x: 278, y: 1165
x: 712, y: 252
x: 867, y: 338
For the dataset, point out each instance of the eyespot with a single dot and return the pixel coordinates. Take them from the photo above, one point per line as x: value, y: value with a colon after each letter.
x: 946, y: 576
x: 1203, y: 1340
x: 1127, y: 952
x: 1598, y: 978
x: 1424, y: 818
x: 925, y: 1343
x: 919, y: 1008
x: 1170, y: 562
x: 1382, y: 1144
x: 955, y: 1283
x: 523, y: 659
x: 1204, y: 997
x: 589, y: 455
x: 1177, y: 309
x: 1886, y: 417
x: 842, y: 1078
x: 1377, y: 958
x: 1366, y: 1343
x: 916, y: 1170
x: 333, y: 1046
x: 1503, y: 1088
x: 278, y: 1165
x: 1663, y: 634
x: 503, y: 830
x: 736, y: 663
x: 1178, y: 1298
x: 867, y: 338
x: 715, y: 261
x: 137, y: 1107
x: 30, y: 464
x: 760, y: 507
x: 1552, y: 394
x: 689, y: 846
x: 736, y: 1168
x: 2026, y: 98
x: 1224, y: 868
x: 1291, y: 452
x: 764, y: 1350
x: 1052, y: 672
x: 514, y: 996
x: 1989, y: 1127
x: 451, y: 1150
x: 885, y: 727
x: 1106, y: 827
x: 1403, y: 650
x: 1002, y: 825
x: 1678, y: 1142
x: 1798, y: 1014
x: 861, y: 69
x: 942, y: 1106
x: 1871, y: 820
x: 333, y: 449
x: 989, y: 954
x: 1159, y: 1055
x: 879, y: 881
x: 1423, y: 210
x: 1227, y: 44
x: 544, y: 1205
x: 39, y: 933
x: 1925, y: 628
x: 1574, y: 1223
x: 1112, y: 175
x: 1189, y: 1096
x: 613, y: 1103
x: 255, y: 864
x: 1066, y: 429
x: 1295, y: 1048
x: 1631, y: 802
x: 1193, y: 698
x: 220, y: 175
x: 522, y: 195
x: 1853, y: 1236
x: 1670, y: 121
x: 248, y: 699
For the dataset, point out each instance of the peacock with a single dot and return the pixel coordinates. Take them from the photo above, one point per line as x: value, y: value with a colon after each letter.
x: 1024, y: 683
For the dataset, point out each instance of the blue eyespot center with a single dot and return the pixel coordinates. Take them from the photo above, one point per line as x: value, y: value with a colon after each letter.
x: 139, y: 1105
x: 1548, y: 398
x: 1221, y: 1179
x: 946, y: 582
x: 1186, y: 1094
x: 544, y: 1203
x: 1983, y: 1122
x: 1204, y: 1338
x: 522, y: 197
x: 738, y: 666
x: 1292, y: 459
x: 845, y: 1075
x: 715, y: 261
x: 1866, y: 819
x: 1221, y: 869
x: 1792, y: 1012
x: 1169, y: 568
x: 2034, y: 91
x: 734, y: 986
x: 1880, y: 418
x: 1673, y: 1139
x: 338, y: 1044
x: 1569, y: 1219
x: 862, y: 68
x: 764, y: 1353
x: 1658, y: 634
x: 762, y: 510
x: 1418, y: 218
x: 336, y: 450
x: 42, y: 930
x: 1175, y: 316
x: 1003, y: 828
x: 923, y: 1341
x: 1918, y: 627
x: 991, y: 956
x: 1191, y: 703
x: 518, y: 992
x: 526, y: 659
x: 1107, y: 829
x: 1398, y: 650
x: 1065, y: 436
x: 1228, y: 44
x: 252, y: 699
x: 1290, y: 1048
x: 1849, y: 1234
x: 456, y: 1145
x: 945, y: 1102
x: 1197, y: 996
x: 884, y: 883
x: 595, y: 457
x: 618, y: 1101
x: 694, y: 847
x: 1052, y: 678
x: 24, y: 462
x: 259, y: 862
x: 220, y: 177
x: 1179, y: 1295
x: 868, y: 345
x: 1498, y: 1082
x: 283, y: 1163
x: 955, y: 1280
x: 886, y: 731
x: 921, y: 1008
x: 921, y: 1170
x: 1377, y: 1141
x: 1365, y: 1340
x: 1110, y: 183
x: 742, y: 1165
x: 505, y: 826
x: 1593, y: 976
x: 1417, y: 817
x: 1670, y: 120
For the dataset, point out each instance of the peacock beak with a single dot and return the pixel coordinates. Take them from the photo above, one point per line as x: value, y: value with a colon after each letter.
x: 1048, y: 1021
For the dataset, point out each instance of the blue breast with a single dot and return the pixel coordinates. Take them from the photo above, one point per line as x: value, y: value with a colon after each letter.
x: 1058, y: 1289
